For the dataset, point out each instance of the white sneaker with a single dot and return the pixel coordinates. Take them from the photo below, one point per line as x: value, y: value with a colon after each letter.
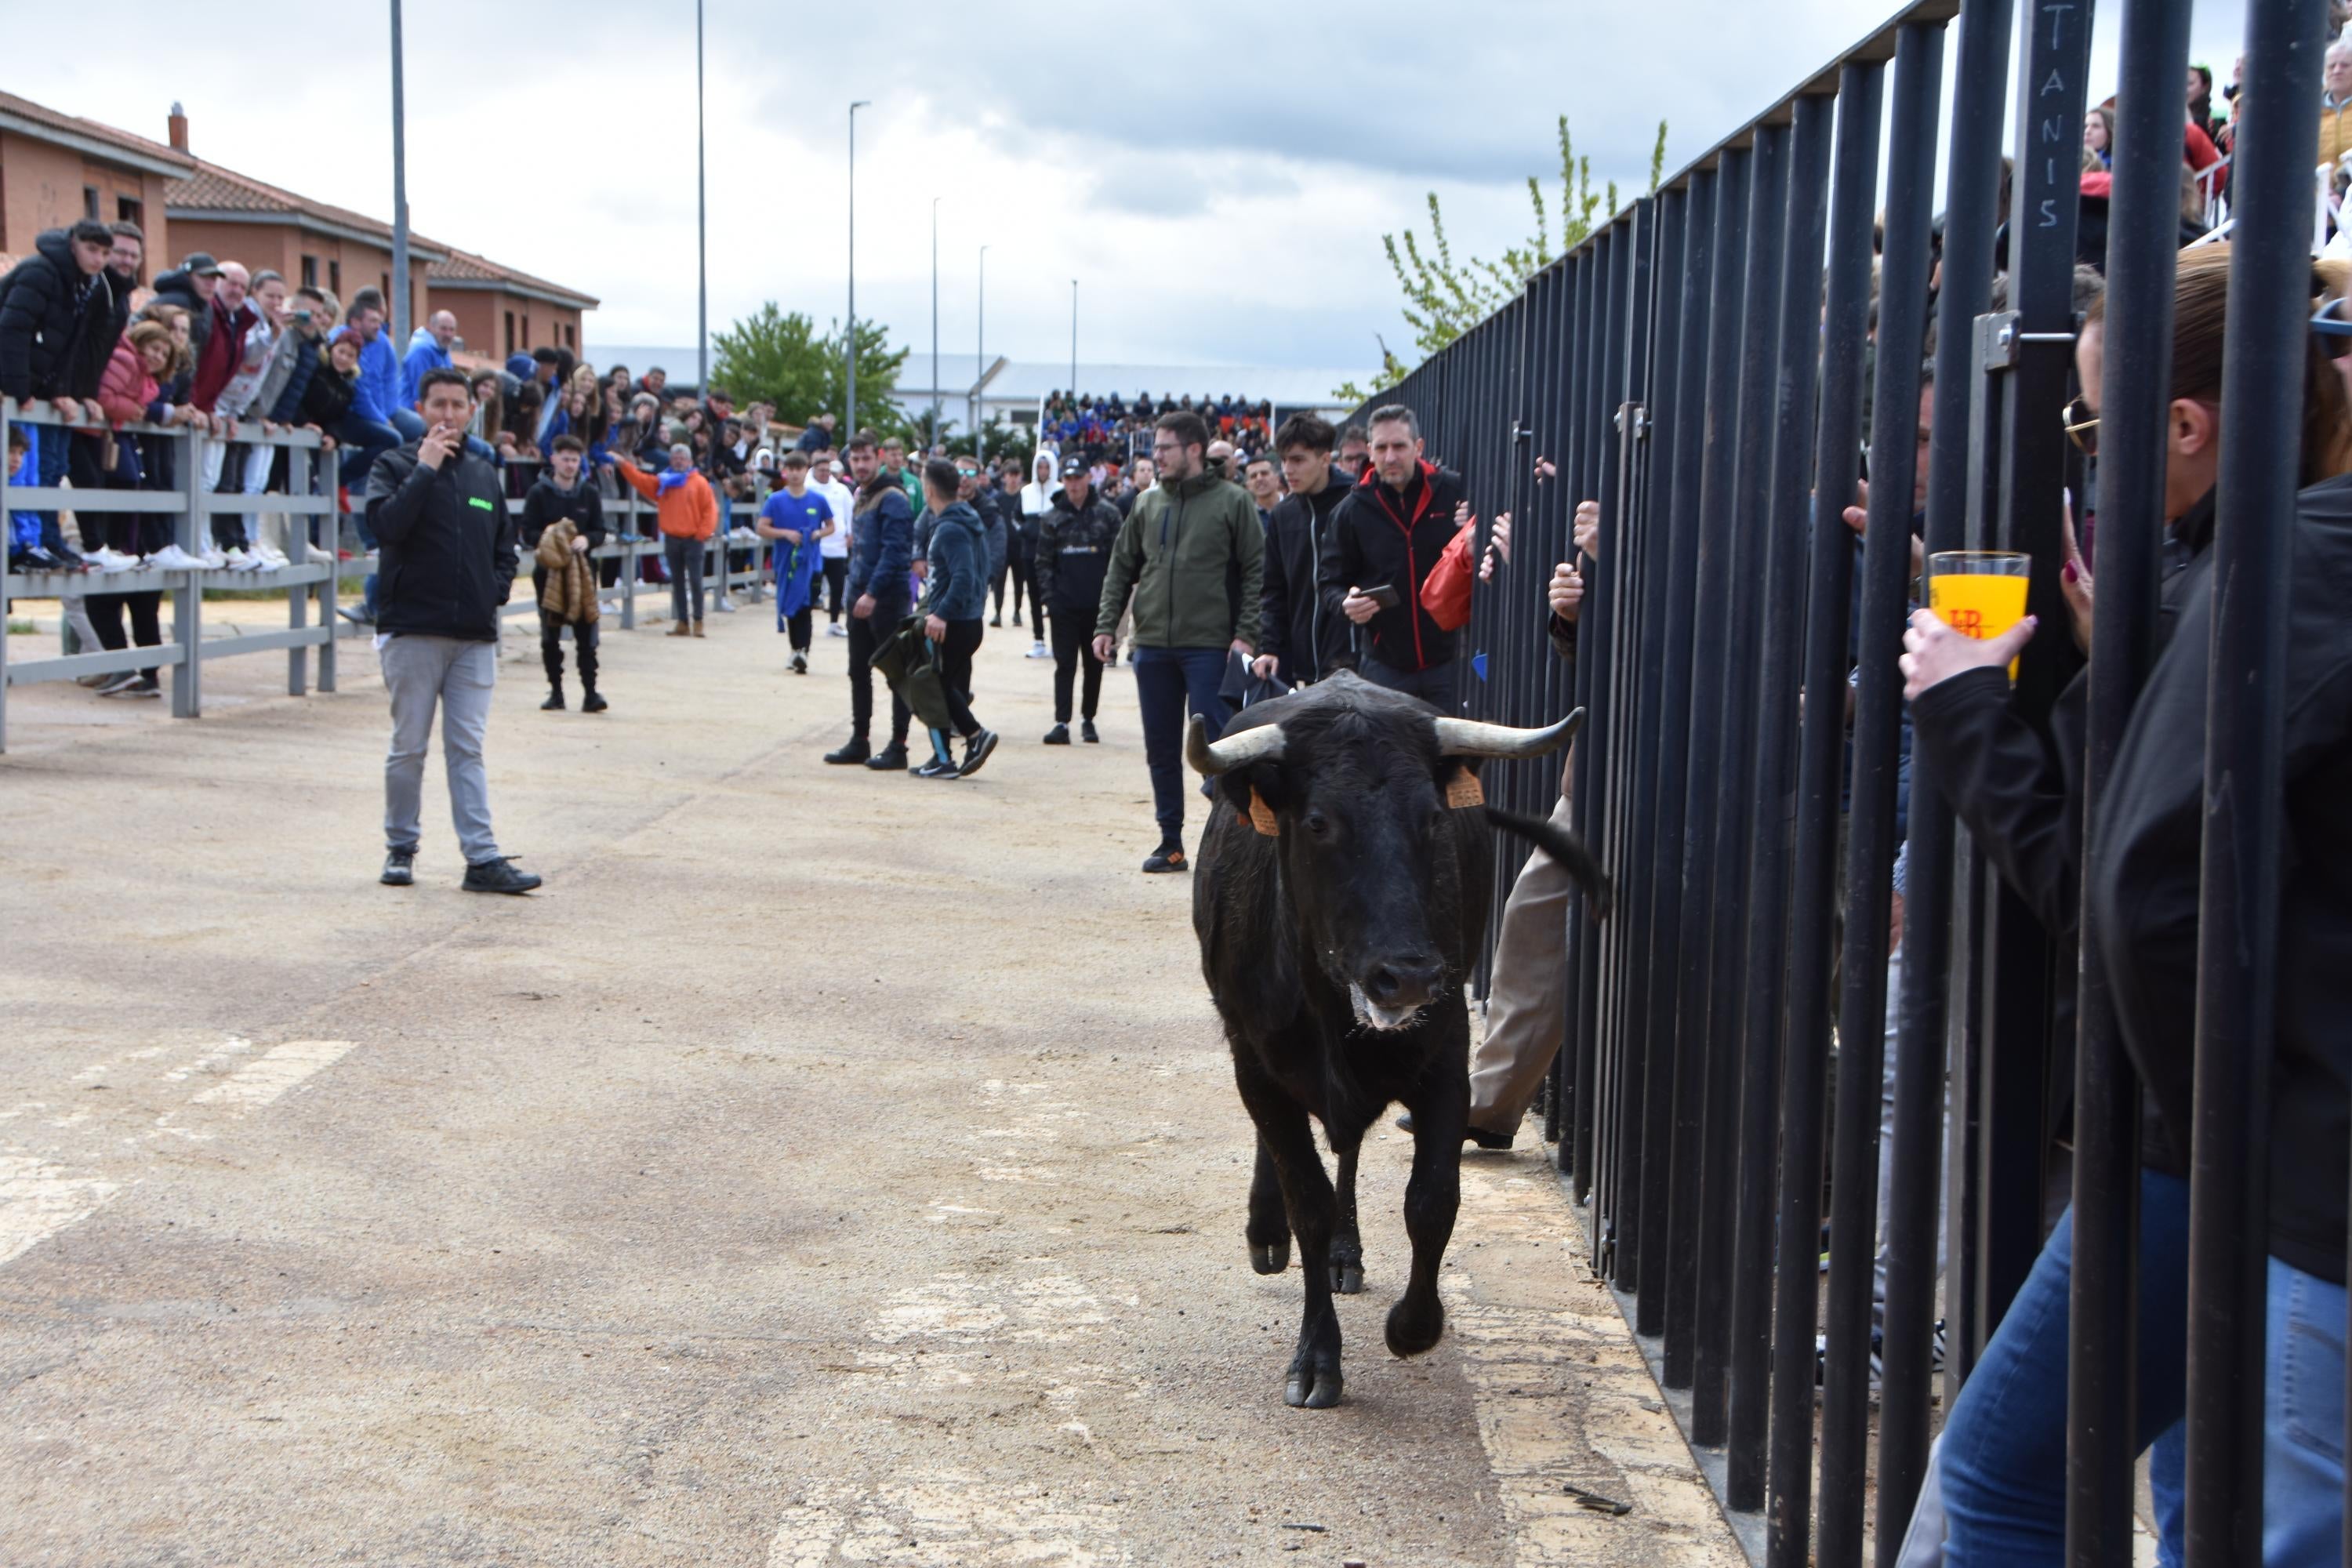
x: 107, y: 559
x: 1038, y: 650
x: 172, y: 558
x: 726, y: 605
x: 835, y: 629
x: 268, y: 560
x: 238, y: 560
x: 212, y: 557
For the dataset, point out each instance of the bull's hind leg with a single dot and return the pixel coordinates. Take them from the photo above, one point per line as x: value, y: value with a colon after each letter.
x: 1269, y: 1225
x: 1347, y: 1245
x: 1313, y: 1379
x: 1433, y: 1196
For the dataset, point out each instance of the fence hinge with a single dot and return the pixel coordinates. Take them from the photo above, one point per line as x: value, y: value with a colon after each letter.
x: 2000, y: 342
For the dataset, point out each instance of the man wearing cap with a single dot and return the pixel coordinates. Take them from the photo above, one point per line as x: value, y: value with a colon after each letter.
x: 1073, y: 544
x: 191, y: 289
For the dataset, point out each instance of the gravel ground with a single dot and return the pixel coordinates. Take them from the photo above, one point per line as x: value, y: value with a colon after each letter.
x: 825, y: 1168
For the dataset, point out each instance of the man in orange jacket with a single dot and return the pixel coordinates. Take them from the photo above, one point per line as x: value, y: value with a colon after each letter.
x: 688, y: 510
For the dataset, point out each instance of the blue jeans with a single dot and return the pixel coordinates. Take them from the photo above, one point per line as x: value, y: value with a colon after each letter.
x: 2003, y: 1456
x: 2303, y: 1427
x: 49, y: 463
x: 1166, y: 682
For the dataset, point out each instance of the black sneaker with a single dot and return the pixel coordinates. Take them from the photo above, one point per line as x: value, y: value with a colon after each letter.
x: 1088, y: 732
x: 889, y: 759
x: 1059, y: 735
x: 554, y: 703
x: 1168, y: 858
x: 355, y: 613
x: 999, y: 621
x: 498, y: 876
x: 593, y: 702
x: 116, y: 685
x: 976, y: 750
x: 800, y: 664
x: 938, y: 768
x: 857, y: 751
x: 133, y: 685
x: 399, y: 867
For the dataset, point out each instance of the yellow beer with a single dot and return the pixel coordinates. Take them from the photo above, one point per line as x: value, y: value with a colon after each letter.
x: 1979, y: 594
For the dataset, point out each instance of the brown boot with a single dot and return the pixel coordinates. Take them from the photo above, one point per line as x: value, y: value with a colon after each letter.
x: 697, y: 628
x: 681, y: 629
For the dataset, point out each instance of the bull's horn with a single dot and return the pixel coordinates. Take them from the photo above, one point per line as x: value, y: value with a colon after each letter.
x: 1468, y: 738
x: 1260, y: 744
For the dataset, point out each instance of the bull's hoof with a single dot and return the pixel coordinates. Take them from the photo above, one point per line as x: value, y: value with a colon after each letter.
x: 1347, y: 1278
x: 1412, y: 1329
x: 1309, y: 1389
x: 1270, y: 1257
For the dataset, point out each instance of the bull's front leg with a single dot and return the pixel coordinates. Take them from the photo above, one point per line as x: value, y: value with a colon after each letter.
x: 1269, y: 1221
x: 1346, y: 1244
x: 1313, y: 1380
x: 1432, y: 1196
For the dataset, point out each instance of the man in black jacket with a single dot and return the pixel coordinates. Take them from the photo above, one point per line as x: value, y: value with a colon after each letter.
x: 440, y: 518
x: 1074, y: 541
x: 561, y: 495
x: 53, y: 308
x: 1385, y: 536
x: 1301, y: 639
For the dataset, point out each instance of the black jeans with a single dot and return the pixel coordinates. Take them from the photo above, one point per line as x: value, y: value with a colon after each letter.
x: 684, y: 559
x: 798, y: 624
x: 1433, y: 684
x: 1074, y: 640
x: 955, y: 673
x: 837, y: 574
x: 146, y: 619
x: 551, y: 648
x: 864, y: 638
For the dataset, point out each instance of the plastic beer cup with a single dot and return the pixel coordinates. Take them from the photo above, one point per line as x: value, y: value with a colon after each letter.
x: 1979, y: 594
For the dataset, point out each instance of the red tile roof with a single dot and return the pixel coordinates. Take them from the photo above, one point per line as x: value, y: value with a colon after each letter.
x: 462, y: 268
x: 211, y: 188
x: 41, y: 114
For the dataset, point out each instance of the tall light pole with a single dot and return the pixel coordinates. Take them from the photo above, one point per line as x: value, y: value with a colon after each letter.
x: 979, y: 353
x: 399, y: 194
x: 850, y: 414
x: 701, y: 228
x: 935, y: 320
x: 1073, y: 340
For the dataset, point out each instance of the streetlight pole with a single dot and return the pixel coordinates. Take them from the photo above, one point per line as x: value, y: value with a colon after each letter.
x: 979, y: 353
x: 850, y: 414
x: 1073, y: 340
x: 701, y: 228
x: 935, y: 320
x: 400, y: 325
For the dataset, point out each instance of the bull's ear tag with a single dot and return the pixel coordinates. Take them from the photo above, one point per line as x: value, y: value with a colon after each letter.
x: 1262, y: 816
x: 1464, y: 790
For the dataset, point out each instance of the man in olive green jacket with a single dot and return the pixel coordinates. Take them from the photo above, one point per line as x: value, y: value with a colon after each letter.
x: 1193, y: 554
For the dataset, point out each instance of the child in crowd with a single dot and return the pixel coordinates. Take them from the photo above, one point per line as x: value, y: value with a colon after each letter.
x: 797, y: 519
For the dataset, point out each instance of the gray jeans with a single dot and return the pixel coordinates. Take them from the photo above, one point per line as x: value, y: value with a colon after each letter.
x: 684, y: 559
x: 421, y: 673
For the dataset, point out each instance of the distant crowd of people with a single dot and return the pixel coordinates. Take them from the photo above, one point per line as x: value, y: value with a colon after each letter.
x: 1099, y: 427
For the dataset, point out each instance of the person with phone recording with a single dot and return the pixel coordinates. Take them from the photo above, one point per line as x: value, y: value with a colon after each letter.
x: 1386, y: 537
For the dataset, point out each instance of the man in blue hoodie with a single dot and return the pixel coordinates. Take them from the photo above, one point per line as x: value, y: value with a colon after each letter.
x: 428, y: 349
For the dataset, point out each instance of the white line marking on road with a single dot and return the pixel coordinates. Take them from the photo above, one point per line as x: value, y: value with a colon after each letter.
x: 39, y: 1199
x: 235, y: 1045
x: 280, y: 1069
x: 947, y: 1521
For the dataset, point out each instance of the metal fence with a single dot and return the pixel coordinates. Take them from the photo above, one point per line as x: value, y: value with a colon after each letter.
x: 734, y: 566
x: 1702, y: 365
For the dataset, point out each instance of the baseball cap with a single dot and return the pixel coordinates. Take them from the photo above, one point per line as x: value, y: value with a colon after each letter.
x: 1073, y: 467
x: 201, y: 265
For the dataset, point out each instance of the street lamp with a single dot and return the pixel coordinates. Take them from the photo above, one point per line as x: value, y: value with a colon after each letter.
x: 980, y: 354
x: 1073, y: 340
x: 935, y: 320
x: 701, y: 229
x: 399, y: 192
x: 851, y: 413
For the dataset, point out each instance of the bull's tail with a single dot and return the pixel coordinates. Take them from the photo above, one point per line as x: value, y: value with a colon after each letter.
x: 1565, y: 847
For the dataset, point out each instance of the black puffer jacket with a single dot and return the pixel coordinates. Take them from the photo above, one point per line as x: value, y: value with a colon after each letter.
x: 1306, y: 634
x: 49, y: 310
x: 180, y: 289
x: 449, y: 544
x: 1073, y: 553
x: 2147, y: 877
x: 1379, y: 537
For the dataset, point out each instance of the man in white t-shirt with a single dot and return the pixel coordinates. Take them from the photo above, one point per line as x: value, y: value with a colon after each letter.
x: 834, y: 549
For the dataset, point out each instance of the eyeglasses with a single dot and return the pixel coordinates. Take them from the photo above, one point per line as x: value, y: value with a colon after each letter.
x: 2083, y: 427
x: 2335, y: 331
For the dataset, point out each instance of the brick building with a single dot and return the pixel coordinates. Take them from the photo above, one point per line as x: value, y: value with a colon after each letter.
x: 56, y: 168
x: 502, y: 312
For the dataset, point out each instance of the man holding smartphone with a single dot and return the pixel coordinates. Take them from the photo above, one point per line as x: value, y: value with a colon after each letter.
x: 1386, y: 536
x: 440, y: 516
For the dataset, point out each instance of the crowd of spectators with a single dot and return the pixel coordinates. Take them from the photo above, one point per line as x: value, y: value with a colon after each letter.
x: 1097, y: 427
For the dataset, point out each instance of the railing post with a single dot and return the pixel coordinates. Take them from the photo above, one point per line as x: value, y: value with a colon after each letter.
x: 188, y: 596
x: 329, y: 522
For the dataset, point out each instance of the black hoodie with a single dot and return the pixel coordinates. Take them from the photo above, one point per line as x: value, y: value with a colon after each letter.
x: 1381, y: 538
x: 1308, y: 636
x: 2146, y: 879
x: 51, y: 315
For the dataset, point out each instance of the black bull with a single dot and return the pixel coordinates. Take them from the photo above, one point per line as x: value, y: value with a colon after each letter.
x: 1340, y: 900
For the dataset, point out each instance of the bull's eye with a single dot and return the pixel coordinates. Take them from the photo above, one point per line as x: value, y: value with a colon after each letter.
x: 1318, y: 825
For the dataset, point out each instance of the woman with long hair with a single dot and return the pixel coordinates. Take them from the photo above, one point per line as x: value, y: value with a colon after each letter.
x: 2001, y: 1461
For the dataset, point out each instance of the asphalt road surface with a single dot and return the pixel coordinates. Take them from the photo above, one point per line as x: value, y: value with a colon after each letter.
x: 825, y: 1168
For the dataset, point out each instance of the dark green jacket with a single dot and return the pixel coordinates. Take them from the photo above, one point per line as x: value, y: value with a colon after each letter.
x: 1194, y: 555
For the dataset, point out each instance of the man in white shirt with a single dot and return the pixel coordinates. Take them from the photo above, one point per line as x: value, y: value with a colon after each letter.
x: 833, y: 551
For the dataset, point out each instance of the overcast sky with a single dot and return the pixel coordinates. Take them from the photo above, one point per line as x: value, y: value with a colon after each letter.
x: 1219, y: 187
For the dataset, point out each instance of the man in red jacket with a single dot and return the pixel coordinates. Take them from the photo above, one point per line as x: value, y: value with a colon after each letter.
x: 1386, y: 537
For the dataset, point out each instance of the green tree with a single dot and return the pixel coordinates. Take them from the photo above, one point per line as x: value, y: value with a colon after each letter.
x: 1444, y: 297
x: 778, y: 357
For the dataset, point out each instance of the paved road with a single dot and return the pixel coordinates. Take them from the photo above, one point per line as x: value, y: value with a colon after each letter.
x: 825, y: 1168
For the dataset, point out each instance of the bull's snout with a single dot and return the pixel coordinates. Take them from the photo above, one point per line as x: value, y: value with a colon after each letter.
x: 1402, y: 983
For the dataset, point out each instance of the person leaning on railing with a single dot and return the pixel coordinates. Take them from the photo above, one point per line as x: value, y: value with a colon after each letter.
x: 2002, y: 1462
